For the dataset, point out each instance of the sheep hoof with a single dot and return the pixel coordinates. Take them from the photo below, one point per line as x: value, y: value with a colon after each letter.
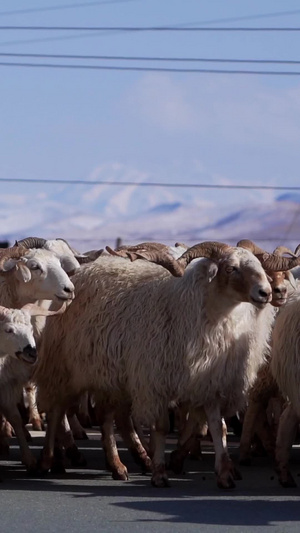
x: 120, y: 474
x: 226, y: 483
x: 160, y: 482
x: 142, y: 460
x: 75, y: 456
x: 147, y: 465
x: 286, y: 480
x: 176, y: 462
x: 37, y: 425
x: 159, y: 477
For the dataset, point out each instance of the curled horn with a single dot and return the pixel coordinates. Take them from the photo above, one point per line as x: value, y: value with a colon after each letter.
x: 90, y: 256
x: 11, y: 253
x: 280, y: 250
x: 154, y: 252
x: 297, y: 250
x: 251, y: 246
x: 272, y: 262
x: 181, y: 245
x: 31, y: 242
x: 210, y: 249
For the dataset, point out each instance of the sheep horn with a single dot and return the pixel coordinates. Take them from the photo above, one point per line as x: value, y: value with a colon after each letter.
x: 11, y: 253
x: 251, y: 246
x: 280, y: 250
x: 211, y: 250
x: 181, y: 245
x: 32, y: 242
x: 270, y: 262
x: 297, y: 250
x: 87, y: 257
x: 90, y: 256
x: 276, y: 263
x: 75, y: 252
x: 154, y: 252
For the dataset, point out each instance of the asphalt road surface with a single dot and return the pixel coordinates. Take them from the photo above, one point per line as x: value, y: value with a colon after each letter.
x: 88, y: 500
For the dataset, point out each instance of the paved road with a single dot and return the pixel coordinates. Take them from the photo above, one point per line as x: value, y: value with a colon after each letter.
x: 88, y: 499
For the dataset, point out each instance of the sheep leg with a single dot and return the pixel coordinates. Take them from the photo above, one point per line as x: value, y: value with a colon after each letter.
x: 105, y: 415
x: 158, y: 436
x: 187, y: 438
x: 224, y: 467
x: 140, y: 433
x: 54, y: 418
x: 130, y: 437
x: 287, y: 429
x: 265, y: 433
x: 34, y: 416
x: 83, y: 414
x: 66, y: 439
x: 14, y: 418
x: 248, y: 431
x: 5, y: 435
x: 76, y: 427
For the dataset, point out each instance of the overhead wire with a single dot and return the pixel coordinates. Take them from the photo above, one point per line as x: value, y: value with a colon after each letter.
x: 150, y: 69
x: 151, y: 58
x: 155, y: 184
x: 25, y: 11
x: 154, y: 28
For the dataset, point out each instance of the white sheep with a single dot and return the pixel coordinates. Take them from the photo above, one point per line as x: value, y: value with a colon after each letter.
x: 17, y: 355
x: 285, y: 367
x: 27, y: 276
x: 134, y: 333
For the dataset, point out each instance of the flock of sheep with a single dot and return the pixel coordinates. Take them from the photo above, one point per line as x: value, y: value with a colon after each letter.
x: 210, y: 330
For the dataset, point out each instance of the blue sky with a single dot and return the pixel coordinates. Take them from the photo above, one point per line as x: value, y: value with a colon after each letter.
x: 143, y: 126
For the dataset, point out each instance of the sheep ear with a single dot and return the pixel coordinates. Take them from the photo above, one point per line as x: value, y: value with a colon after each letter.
x: 23, y: 273
x: 68, y: 265
x: 212, y: 271
x: 289, y: 276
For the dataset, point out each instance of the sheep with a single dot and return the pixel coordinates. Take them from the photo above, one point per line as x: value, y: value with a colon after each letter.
x: 285, y: 369
x: 70, y: 260
x: 136, y: 334
x: 27, y: 276
x: 265, y: 393
x: 17, y: 355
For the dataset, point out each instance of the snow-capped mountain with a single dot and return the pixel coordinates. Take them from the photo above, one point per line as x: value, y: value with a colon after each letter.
x: 91, y: 216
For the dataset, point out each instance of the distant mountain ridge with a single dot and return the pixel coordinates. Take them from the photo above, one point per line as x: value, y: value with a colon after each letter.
x: 87, y: 226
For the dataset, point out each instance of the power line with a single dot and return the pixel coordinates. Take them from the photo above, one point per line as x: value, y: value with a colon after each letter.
x: 60, y: 7
x: 155, y: 184
x: 186, y: 24
x: 250, y: 17
x: 151, y: 69
x: 153, y: 58
x: 99, y: 2
x: 151, y: 28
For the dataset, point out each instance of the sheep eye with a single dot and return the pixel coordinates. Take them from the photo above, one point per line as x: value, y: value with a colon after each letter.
x: 35, y: 267
x: 9, y: 330
x: 230, y: 269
